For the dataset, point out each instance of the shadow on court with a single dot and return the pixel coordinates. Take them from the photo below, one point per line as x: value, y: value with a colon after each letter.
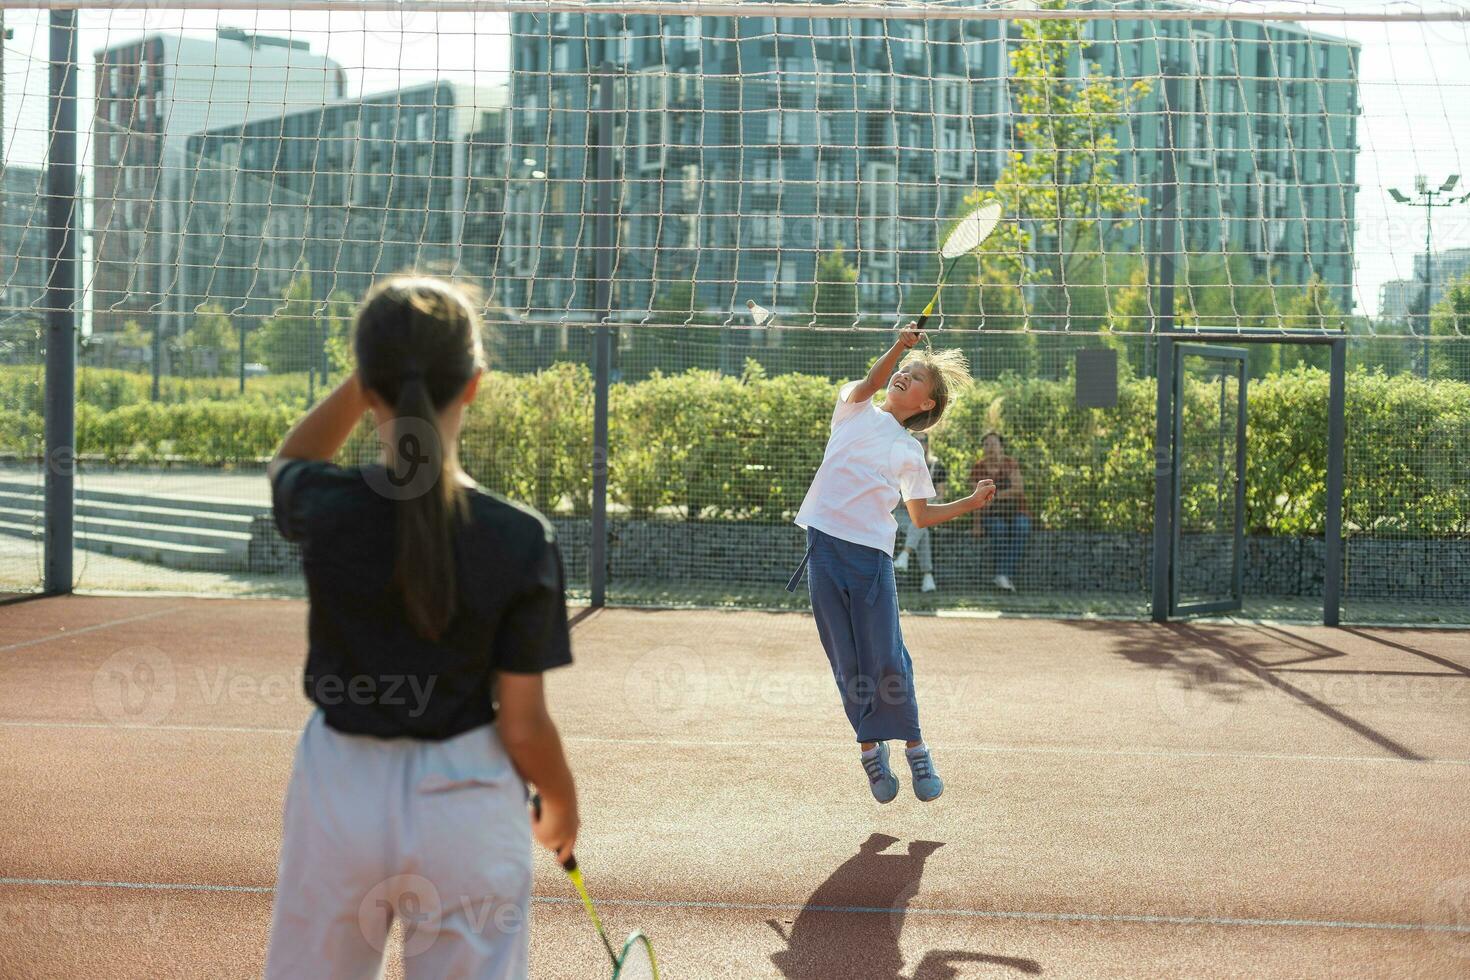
x: 851, y: 925
x: 1227, y: 663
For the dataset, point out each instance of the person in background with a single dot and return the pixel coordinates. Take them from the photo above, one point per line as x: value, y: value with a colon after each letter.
x: 915, y: 538
x: 1007, y: 521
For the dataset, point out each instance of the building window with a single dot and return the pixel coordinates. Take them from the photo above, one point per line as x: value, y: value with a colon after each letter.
x: 828, y: 127
x: 651, y: 99
x: 791, y: 127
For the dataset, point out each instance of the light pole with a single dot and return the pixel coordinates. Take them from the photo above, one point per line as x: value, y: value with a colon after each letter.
x: 1428, y: 198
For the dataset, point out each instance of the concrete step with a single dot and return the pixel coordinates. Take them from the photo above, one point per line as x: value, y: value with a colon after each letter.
x: 176, y: 517
x: 171, y: 554
x: 137, y: 498
x: 165, y: 529
x: 236, y: 539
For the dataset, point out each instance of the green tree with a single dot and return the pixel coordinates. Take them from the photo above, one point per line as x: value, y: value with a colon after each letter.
x: 131, y: 347
x: 833, y: 299
x: 290, y: 338
x: 1059, y: 188
x: 1223, y: 291
x: 1311, y: 309
x: 825, y: 344
x: 211, y: 345
x: 341, y: 319
x: 674, y: 297
x: 1451, y: 318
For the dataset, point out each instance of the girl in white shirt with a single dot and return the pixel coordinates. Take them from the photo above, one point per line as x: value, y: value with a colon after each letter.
x: 871, y: 460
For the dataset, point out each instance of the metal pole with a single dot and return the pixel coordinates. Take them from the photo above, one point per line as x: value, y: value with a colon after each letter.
x: 1428, y: 280
x: 1336, y: 449
x: 156, y: 277
x: 5, y: 35
x: 602, y: 348
x: 1164, y: 372
x: 61, y: 316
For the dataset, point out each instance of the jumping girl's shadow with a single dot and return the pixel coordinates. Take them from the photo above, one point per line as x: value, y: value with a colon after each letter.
x: 850, y: 926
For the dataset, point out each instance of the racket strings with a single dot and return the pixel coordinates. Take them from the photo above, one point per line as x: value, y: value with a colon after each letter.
x: 637, y: 962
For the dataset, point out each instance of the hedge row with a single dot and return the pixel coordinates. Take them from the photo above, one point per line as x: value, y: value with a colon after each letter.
x: 22, y: 388
x: 712, y: 446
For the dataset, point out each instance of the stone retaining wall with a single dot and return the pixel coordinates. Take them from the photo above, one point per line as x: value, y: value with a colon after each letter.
x: 746, y: 554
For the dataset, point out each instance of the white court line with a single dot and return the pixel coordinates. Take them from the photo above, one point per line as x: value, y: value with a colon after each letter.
x: 960, y: 748
x: 68, y: 634
x: 1038, y: 750
x: 125, y: 727
x: 1120, y: 918
x: 162, y: 886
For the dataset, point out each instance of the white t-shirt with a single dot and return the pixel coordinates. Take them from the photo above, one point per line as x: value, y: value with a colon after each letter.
x: 871, y: 460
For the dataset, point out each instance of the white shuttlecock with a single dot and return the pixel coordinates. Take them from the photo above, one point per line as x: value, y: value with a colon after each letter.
x: 758, y: 313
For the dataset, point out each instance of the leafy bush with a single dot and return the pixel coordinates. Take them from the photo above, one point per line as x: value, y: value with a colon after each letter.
x: 210, y: 433
x: 23, y: 387
x: 529, y: 436
x: 717, y: 446
x: 704, y: 445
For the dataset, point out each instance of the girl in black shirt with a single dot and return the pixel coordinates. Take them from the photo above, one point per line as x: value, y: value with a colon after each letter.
x: 434, y: 608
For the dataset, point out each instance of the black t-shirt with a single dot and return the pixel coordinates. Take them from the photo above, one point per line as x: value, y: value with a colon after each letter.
x: 366, y: 668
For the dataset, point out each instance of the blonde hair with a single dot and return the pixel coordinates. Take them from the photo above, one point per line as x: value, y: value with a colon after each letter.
x: 949, y: 376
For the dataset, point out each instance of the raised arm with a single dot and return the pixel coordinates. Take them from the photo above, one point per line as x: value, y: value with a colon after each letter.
x: 884, y: 366
x: 325, y: 428
x: 925, y: 514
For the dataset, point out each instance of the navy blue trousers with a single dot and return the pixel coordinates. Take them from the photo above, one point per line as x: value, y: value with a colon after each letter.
x: 855, y: 603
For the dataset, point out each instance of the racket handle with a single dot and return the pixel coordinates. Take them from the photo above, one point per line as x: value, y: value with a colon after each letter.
x: 919, y: 323
x: 570, y: 864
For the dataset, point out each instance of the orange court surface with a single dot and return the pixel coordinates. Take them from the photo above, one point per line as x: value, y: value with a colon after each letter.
x: 1123, y: 799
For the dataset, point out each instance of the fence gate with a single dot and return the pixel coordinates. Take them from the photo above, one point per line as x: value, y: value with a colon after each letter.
x: 1207, y: 556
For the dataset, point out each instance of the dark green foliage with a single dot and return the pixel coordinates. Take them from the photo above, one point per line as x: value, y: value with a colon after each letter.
x: 703, y: 445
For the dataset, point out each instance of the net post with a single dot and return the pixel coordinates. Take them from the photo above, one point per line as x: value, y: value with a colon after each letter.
x: 602, y: 346
x: 1336, y: 443
x: 61, y: 323
x: 1164, y: 371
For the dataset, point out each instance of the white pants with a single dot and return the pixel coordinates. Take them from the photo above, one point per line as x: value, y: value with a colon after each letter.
x: 434, y: 834
x: 916, y: 539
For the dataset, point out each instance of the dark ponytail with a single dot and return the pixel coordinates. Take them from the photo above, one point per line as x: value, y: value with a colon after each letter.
x: 424, y: 522
x: 418, y: 346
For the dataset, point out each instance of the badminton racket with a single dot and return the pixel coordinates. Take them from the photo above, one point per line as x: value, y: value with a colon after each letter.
x: 968, y: 234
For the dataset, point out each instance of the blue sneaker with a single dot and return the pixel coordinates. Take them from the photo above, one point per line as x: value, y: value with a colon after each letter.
x: 927, y: 784
x: 881, y: 779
